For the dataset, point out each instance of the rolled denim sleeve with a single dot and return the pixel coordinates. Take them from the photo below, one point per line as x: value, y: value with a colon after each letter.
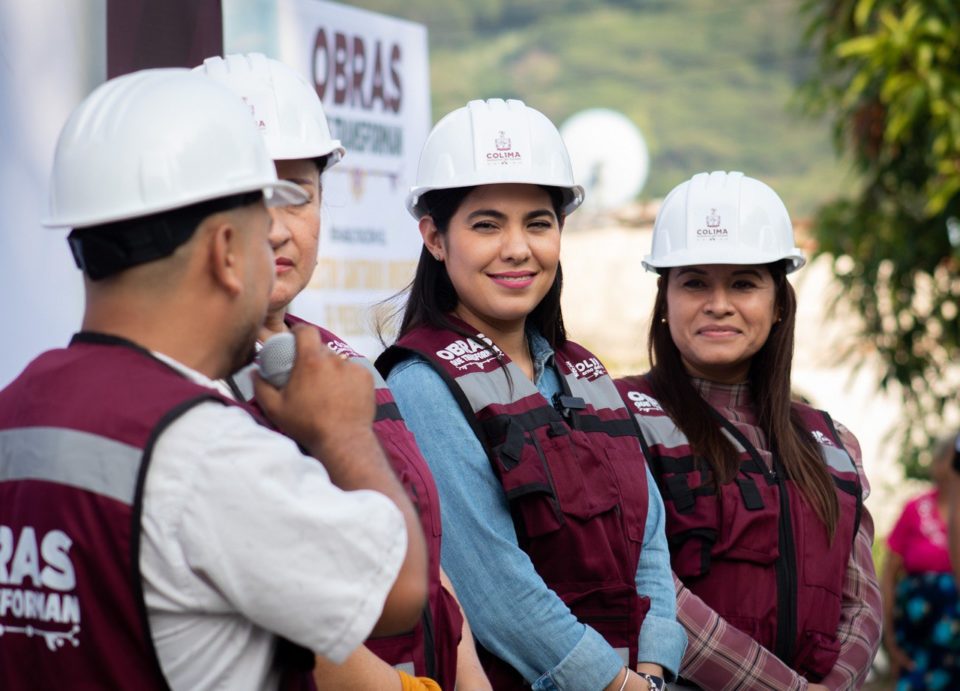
x: 511, y: 610
x: 662, y: 638
x: 592, y: 664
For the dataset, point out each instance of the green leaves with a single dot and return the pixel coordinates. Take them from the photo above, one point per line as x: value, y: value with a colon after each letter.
x: 889, y: 75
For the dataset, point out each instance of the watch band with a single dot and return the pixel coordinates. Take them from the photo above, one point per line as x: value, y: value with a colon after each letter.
x: 655, y: 683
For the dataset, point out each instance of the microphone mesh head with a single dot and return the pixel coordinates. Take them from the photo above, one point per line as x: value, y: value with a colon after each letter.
x: 276, y: 358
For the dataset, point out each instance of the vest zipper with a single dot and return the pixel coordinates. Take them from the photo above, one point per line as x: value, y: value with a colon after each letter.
x: 786, y: 564
x: 786, y: 568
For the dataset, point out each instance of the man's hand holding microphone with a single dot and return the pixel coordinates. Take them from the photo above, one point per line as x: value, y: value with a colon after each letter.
x: 326, y: 404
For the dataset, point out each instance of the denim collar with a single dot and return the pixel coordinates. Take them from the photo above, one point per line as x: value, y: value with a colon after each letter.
x: 540, y: 352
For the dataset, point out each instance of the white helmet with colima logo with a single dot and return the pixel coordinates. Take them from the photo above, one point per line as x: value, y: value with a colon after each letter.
x: 722, y: 218
x: 492, y: 142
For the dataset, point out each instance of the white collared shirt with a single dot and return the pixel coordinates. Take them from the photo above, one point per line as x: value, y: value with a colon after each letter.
x: 245, y: 538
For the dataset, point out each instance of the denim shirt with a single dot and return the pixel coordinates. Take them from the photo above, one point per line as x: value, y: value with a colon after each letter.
x: 511, y: 611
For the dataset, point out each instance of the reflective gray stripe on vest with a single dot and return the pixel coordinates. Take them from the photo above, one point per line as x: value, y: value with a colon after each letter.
x: 660, y: 429
x: 486, y: 388
x: 838, y: 459
x: 601, y: 393
x: 70, y: 457
x: 378, y: 382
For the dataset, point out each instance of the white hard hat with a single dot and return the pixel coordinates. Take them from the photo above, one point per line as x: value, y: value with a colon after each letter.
x: 285, y: 107
x: 722, y: 218
x: 491, y: 142
x: 157, y: 140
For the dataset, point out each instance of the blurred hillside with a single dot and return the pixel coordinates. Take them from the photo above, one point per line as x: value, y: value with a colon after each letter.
x: 711, y: 85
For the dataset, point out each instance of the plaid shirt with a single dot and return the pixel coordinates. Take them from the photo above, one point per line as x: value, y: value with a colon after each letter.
x: 720, y: 656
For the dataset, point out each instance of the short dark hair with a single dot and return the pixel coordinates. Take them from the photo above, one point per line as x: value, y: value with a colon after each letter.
x: 104, y: 250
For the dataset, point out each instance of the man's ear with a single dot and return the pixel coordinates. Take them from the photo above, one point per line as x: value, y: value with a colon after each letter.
x: 223, y: 252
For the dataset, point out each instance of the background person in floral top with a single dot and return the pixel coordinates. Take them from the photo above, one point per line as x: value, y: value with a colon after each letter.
x: 921, y: 629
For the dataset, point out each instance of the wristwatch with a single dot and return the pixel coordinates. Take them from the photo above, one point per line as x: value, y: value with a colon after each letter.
x: 653, y: 683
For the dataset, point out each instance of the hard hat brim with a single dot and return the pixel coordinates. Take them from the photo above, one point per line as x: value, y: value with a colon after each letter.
x: 738, y: 256
x: 275, y: 194
x: 572, y: 195
x: 285, y: 150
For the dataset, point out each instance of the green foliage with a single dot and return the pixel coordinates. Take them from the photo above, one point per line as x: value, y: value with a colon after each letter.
x: 888, y: 75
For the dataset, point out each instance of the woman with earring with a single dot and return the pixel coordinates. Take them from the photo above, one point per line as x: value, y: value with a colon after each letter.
x: 552, y: 531
x: 439, y: 652
x: 770, y: 543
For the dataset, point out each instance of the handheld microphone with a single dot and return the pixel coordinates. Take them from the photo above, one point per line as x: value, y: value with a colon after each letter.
x: 276, y: 358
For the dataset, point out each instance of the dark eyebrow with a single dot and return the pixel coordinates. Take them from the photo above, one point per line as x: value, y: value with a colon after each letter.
x: 486, y: 212
x: 691, y: 270
x: 539, y: 212
x: 500, y: 216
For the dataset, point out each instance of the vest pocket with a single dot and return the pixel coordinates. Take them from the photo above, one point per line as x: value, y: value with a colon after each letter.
x: 693, y: 514
x: 550, y: 477
x: 738, y: 525
x: 527, y: 482
x: 585, y: 481
x: 629, y: 472
x: 825, y: 561
x: 749, y: 527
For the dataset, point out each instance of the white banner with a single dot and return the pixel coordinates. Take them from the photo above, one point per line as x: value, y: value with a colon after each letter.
x: 54, y: 55
x: 371, y: 72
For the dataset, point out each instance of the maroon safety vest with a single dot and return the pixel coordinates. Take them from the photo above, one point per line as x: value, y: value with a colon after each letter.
x: 756, y: 552
x: 77, y: 432
x: 430, y: 649
x: 574, y: 479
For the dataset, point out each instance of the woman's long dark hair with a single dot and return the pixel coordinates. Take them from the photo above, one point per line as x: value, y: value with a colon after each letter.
x: 431, y: 296
x: 769, y: 381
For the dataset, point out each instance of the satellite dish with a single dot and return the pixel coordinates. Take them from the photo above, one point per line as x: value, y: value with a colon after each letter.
x: 609, y: 156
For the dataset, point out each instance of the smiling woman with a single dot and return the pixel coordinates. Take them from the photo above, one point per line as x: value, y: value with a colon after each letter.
x: 769, y: 538
x: 553, y: 531
x: 502, y: 253
x: 719, y: 317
